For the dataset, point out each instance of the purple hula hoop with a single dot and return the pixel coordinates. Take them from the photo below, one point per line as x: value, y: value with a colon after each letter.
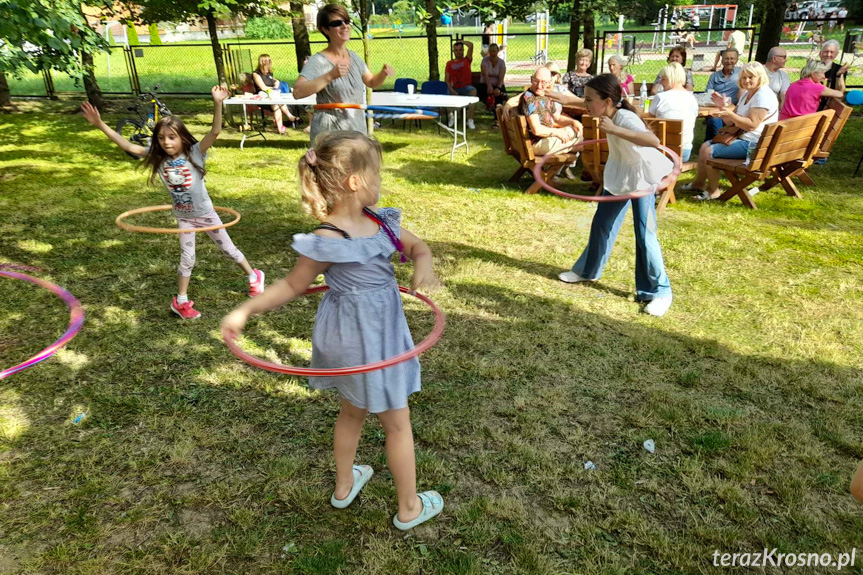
x: 76, y: 320
x: 664, y: 183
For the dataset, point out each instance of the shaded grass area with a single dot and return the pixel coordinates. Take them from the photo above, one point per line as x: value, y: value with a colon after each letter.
x: 191, y: 462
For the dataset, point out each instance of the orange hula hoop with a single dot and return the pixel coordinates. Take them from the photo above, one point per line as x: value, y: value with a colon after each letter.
x: 339, y: 106
x: 167, y: 207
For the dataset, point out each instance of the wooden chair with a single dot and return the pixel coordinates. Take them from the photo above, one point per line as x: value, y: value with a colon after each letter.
x: 783, y: 149
x: 594, y: 157
x: 517, y: 143
x: 841, y: 113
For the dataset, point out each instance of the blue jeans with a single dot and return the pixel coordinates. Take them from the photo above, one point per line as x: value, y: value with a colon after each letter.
x: 651, y: 281
x: 713, y: 125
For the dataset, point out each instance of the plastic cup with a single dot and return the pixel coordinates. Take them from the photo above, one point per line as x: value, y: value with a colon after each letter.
x: 411, y: 89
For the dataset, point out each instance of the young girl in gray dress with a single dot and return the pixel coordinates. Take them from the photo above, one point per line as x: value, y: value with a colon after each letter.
x: 360, y: 319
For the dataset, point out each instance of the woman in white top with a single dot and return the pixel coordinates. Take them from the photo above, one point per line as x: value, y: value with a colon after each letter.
x: 756, y: 107
x: 677, y: 103
x: 634, y: 163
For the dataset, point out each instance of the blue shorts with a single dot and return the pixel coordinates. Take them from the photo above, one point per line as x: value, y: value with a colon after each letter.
x: 734, y: 151
x: 466, y: 91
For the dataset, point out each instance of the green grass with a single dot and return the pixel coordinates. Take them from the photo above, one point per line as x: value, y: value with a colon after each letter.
x: 189, y: 461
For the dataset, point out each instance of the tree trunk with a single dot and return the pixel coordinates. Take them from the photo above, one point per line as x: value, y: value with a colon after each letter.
x: 589, y: 38
x: 771, y: 28
x: 574, y: 29
x: 94, y: 93
x: 217, y: 49
x: 431, y: 32
x: 301, y: 34
x: 5, y: 95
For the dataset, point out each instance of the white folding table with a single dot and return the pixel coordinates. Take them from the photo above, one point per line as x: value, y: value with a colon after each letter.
x: 458, y: 104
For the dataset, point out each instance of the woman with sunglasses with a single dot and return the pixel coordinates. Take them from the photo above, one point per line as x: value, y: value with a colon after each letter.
x: 337, y: 74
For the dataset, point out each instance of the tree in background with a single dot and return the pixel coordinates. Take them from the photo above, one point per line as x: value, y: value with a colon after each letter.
x: 771, y: 27
x: 42, y: 35
x: 152, y: 11
x: 132, y: 34
x: 301, y: 34
x: 155, y: 39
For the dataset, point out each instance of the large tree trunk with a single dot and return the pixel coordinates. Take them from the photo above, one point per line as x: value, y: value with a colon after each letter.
x: 217, y: 49
x: 301, y: 34
x: 574, y: 30
x: 589, y: 38
x: 771, y: 28
x: 431, y: 32
x: 5, y: 95
x: 94, y: 93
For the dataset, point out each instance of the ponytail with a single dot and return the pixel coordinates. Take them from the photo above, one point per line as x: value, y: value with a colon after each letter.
x: 314, y: 202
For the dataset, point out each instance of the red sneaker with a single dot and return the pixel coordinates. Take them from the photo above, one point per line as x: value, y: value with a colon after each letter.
x: 257, y: 287
x: 185, y: 310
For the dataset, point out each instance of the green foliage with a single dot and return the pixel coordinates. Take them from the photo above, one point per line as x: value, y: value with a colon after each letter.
x: 403, y: 12
x: 155, y: 39
x: 56, y: 28
x: 132, y: 33
x: 268, y: 28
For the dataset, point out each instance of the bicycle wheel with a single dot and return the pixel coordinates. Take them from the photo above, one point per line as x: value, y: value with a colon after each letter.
x: 134, y: 131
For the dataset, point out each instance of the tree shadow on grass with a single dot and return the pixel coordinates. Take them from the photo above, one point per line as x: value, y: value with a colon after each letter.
x: 521, y: 389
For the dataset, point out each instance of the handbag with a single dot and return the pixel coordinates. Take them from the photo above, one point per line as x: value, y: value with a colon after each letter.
x: 727, y: 134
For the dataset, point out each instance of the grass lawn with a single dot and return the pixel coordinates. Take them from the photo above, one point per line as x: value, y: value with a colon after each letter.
x: 189, y: 461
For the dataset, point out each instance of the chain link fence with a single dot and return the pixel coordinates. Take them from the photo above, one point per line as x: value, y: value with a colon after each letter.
x: 190, y: 68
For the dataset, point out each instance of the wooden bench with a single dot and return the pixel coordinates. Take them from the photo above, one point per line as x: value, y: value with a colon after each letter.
x: 594, y: 157
x: 517, y: 143
x: 784, y: 147
x: 841, y: 113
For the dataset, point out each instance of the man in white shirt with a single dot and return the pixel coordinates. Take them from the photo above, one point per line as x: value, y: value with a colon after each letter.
x: 842, y: 14
x: 779, y: 81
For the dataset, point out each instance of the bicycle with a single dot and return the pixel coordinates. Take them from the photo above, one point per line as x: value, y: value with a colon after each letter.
x: 139, y: 130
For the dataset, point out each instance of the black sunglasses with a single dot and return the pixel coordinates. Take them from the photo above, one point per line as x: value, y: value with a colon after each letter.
x: 338, y: 23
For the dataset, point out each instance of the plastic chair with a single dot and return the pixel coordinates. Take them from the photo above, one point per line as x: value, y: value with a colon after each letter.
x: 438, y: 88
x: 403, y: 83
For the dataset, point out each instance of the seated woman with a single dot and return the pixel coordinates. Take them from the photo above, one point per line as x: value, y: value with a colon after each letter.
x: 576, y: 80
x: 804, y: 96
x: 615, y: 67
x: 677, y: 103
x: 676, y: 54
x: 493, y: 71
x: 264, y: 80
x: 756, y: 107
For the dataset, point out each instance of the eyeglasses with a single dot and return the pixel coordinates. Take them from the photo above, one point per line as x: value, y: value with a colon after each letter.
x: 338, y: 23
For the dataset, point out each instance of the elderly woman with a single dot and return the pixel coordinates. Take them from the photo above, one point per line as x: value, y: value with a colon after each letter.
x: 677, y: 103
x: 676, y: 54
x: 804, y: 96
x: 615, y: 67
x: 264, y: 81
x: 756, y: 107
x: 576, y: 80
x: 337, y: 74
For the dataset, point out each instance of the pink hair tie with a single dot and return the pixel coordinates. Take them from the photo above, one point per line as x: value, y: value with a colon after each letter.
x: 311, y: 157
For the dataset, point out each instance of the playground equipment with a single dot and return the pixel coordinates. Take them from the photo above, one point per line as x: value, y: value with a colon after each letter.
x: 542, y: 26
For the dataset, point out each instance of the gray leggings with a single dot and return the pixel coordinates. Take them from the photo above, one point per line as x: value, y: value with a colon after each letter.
x: 219, y: 237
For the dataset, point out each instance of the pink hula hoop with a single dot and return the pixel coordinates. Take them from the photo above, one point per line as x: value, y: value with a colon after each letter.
x: 76, y: 320
x: 664, y: 183
x: 430, y: 340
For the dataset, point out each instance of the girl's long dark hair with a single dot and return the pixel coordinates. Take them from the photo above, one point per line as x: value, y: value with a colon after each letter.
x: 608, y: 86
x: 157, y: 155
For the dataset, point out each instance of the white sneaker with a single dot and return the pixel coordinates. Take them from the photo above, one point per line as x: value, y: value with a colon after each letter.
x: 471, y: 125
x: 658, y: 306
x: 572, y: 278
x: 451, y: 121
